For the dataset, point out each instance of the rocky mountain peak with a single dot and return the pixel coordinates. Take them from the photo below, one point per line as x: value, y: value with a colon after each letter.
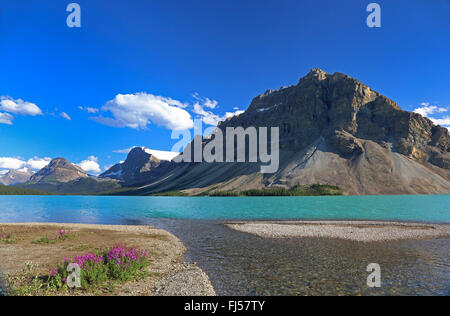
x: 59, y: 170
x: 140, y: 155
x: 341, y: 110
x: 136, y: 168
x: 60, y: 163
x: 317, y: 73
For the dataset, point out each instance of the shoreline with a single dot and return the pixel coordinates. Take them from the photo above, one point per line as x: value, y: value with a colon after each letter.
x: 169, y: 274
x: 360, y: 231
x: 220, y: 258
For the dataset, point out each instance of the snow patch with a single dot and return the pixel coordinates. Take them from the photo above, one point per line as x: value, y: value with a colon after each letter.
x: 161, y: 155
x: 114, y: 174
x: 269, y: 108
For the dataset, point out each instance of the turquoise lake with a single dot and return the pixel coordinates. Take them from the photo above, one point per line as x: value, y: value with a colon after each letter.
x: 118, y: 210
x: 242, y: 264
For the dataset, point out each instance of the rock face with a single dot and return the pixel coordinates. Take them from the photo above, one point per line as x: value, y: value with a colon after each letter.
x: 342, y: 109
x: 139, y: 168
x: 59, y: 170
x: 333, y: 130
x: 16, y: 177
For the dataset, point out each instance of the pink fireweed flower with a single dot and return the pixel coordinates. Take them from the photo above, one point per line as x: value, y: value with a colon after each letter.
x: 54, y: 272
x: 125, y: 254
x: 118, y: 258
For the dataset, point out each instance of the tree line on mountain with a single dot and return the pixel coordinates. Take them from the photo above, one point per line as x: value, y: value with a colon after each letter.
x: 11, y: 190
x: 298, y: 190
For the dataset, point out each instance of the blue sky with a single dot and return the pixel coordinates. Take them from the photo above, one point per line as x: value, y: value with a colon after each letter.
x: 138, y: 68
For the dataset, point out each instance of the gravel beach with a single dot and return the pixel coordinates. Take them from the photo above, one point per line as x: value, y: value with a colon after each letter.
x: 363, y: 231
x: 189, y: 280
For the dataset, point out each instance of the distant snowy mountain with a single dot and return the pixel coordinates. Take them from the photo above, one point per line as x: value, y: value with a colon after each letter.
x: 13, y: 177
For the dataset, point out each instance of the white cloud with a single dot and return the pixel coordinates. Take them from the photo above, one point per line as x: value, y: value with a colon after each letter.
x: 90, y: 165
x: 11, y: 163
x: 124, y: 151
x: 88, y: 109
x: 38, y: 163
x: 21, y: 164
x: 19, y: 106
x: 139, y: 110
x: 445, y: 121
x: 427, y: 110
x: 93, y: 158
x: 209, y: 117
x: 65, y: 116
x: 206, y: 102
x: 6, y: 118
x: 162, y: 155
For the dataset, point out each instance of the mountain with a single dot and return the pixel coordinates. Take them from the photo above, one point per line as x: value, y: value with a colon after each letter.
x: 333, y: 130
x: 62, y: 177
x: 13, y: 177
x: 140, y: 167
x: 58, y: 170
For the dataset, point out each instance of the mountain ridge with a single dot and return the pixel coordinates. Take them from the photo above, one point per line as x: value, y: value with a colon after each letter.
x: 333, y: 130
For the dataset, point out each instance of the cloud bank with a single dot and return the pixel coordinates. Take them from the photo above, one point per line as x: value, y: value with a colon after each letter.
x: 90, y: 165
x: 10, y: 106
x: 6, y: 118
x: 88, y: 109
x: 34, y: 164
x: 139, y: 110
x: 38, y: 163
x: 429, y: 111
x: 19, y: 106
x: 208, y: 117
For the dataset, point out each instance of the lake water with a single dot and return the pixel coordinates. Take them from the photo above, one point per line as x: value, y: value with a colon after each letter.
x: 243, y: 264
x: 116, y: 210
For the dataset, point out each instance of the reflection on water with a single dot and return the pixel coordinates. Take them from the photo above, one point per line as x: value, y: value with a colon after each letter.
x: 243, y: 264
